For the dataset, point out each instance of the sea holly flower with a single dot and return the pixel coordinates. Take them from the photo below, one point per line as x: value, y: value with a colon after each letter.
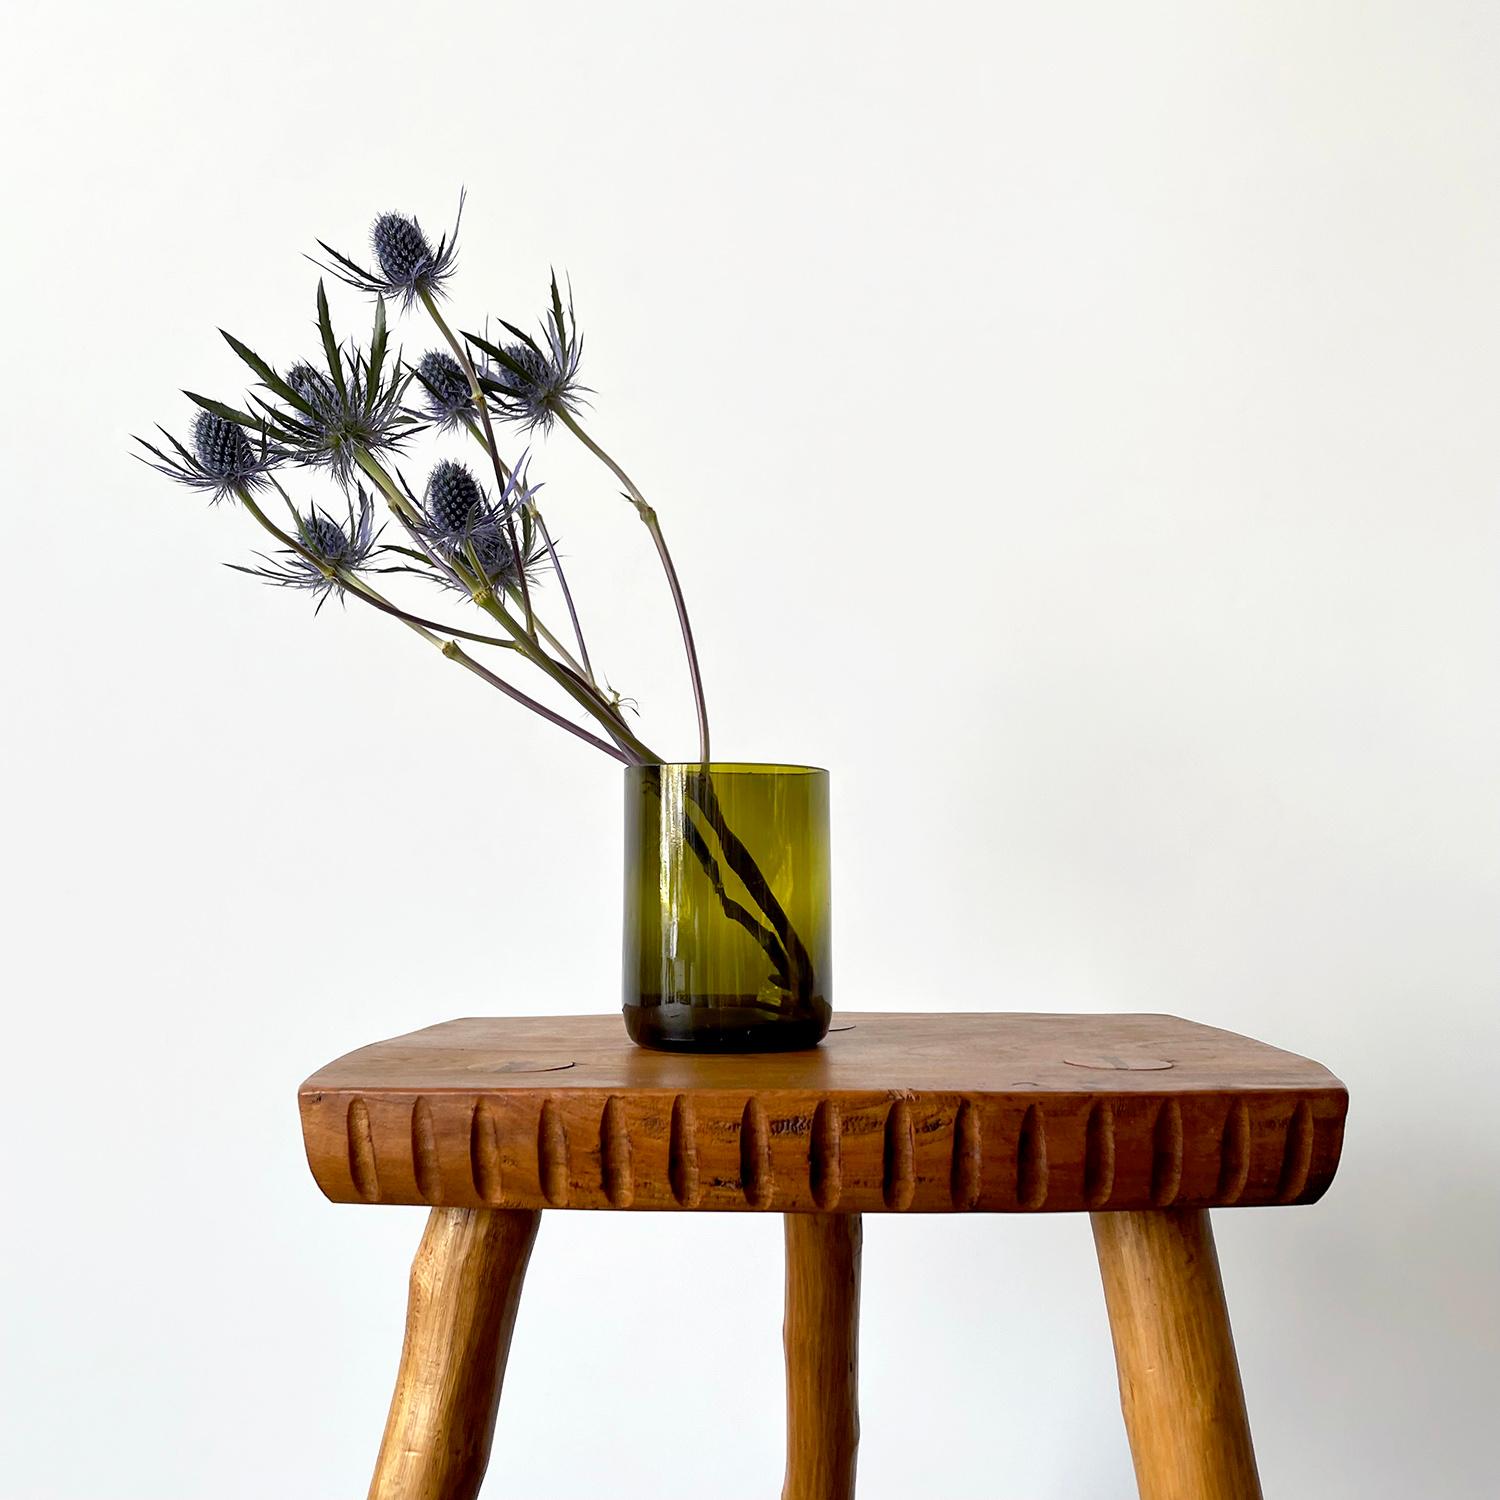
x: 346, y: 545
x: 314, y: 387
x: 490, y: 551
x: 446, y: 387
x: 407, y: 264
x: 222, y: 458
x: 532, y: 382
x: 338, y: 420
x: 453, y: 502
x: 468, y: 530
x: 330, y: 417
x: 343, y: 410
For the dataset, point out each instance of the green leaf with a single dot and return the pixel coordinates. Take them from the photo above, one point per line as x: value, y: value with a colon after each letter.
x: 279, y: 425
x: 330, y: 344
x: 349, y: 265
x: 269, y: 376
x: 497, y: 354
x: 493, y: 350
x: 152, y: 448
x: 520, y: 333
x: 557, y: 313
x: 410, y: 552
x: 239, y: 418
x: 471, y: 554
x: 377, y: 344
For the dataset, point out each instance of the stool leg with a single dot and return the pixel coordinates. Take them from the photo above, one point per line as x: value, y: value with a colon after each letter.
x: 1179, y: 1380
x: 465, y: 1288
x: 821, y: 1334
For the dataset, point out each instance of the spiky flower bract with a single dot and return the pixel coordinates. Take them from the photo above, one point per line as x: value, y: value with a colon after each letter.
x: 446, y: 387
x: 525, y: 386
x: 492, y: 550
x: 468, y: 530
x: 222, y: 459
x: 531, y: 382
x: 329, y: 417
x: 407, y: 265
x: 336, y: 421
x: 348, y: 545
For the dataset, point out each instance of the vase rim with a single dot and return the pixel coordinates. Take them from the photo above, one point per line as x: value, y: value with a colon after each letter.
x: 733, y: 767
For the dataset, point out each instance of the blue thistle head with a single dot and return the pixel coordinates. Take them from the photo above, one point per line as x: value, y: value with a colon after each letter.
x: 497, y: 558
x: 314, y: 387
x: 348, y: 544
x: 531, y: 381
x: 525, y: 387
x: 327, y: 538
x: 401, y: 249
x: 463, y: 529
x: 221, y: 446
x: 222, y: 457
x: 454, y: 503
x: 442, y: 379
x: 407, y: 264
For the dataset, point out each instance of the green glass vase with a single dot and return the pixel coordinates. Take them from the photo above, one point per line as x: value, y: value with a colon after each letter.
x: 727, y: 918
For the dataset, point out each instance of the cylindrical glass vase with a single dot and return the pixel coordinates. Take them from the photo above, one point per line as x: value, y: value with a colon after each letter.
x: 727, y: 916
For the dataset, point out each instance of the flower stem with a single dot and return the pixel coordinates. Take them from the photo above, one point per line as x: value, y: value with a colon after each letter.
x: 648, y: 515
x: 585, y: 666
x: 576, y: 688
x: 409, y: 518
x: 567, y: 593
x: 359, y: 589
x: 476, y: 390
x: 455, y: 652
x: 586, y: 695
x: 387, y: 487
x: 792, y: 966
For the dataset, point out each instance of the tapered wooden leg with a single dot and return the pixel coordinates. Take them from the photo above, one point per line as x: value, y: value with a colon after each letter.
x: 1179, y: 1379
x: 465, y: 1288
x: 822, y: 1355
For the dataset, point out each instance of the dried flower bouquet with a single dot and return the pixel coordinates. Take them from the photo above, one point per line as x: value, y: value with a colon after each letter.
x: 347, y: 416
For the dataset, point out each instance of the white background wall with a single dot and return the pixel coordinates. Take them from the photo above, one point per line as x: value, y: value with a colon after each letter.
x: 1075, y: 426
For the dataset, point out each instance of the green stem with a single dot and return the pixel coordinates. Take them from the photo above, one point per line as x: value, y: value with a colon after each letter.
x: 577, y: 689
x: 477, y: 391
x: 455, y: 652
x: 359, y: 589
x: 567, y: 593
x: 648, y: 515
x: 780, y: 943
x: 585, y: 665
x: 587, y: 697
x: 387, y: 486
x: 543, y: 633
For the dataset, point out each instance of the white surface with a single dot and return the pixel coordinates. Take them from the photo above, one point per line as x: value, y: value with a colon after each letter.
x: 1075, y: 426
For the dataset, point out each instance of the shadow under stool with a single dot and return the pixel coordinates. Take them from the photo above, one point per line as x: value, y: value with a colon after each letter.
x: 1144, y: 1122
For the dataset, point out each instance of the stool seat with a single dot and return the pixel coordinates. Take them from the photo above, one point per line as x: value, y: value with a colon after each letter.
x: 990, y: 1113
x: 1142, y: 1121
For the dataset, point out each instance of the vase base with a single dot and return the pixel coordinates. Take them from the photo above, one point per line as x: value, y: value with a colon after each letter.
x: 723, y: 1026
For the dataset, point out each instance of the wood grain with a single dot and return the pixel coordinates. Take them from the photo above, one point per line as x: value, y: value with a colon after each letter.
x: 902, y: 1113
x: 465, y: 1288
x: 821, y: 1335
x: 1179, y: 1379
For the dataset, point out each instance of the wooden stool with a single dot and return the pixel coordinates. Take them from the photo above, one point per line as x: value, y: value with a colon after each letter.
x: 1143, y: 1121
